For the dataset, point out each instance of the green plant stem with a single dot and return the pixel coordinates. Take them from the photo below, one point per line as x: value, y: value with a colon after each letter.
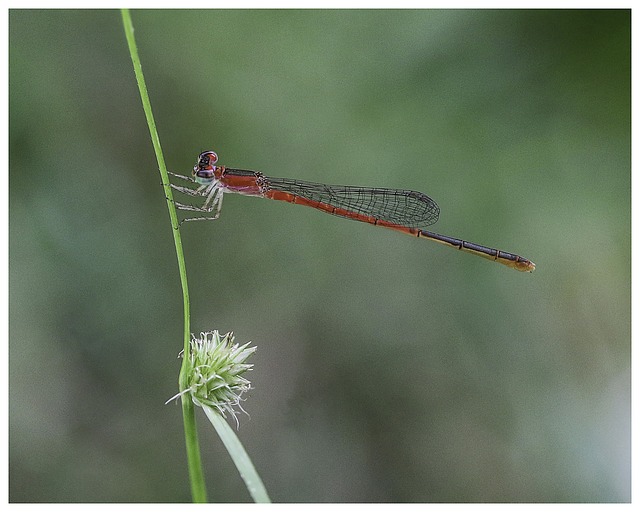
x: 196, y: 476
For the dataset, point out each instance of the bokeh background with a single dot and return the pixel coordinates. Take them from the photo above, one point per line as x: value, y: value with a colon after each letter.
x: 389, y: 369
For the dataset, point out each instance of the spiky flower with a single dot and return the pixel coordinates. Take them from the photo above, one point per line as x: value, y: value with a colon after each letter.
x: 216, y: 365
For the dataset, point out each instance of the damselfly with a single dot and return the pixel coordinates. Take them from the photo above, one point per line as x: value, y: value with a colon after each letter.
x: 406, y: 211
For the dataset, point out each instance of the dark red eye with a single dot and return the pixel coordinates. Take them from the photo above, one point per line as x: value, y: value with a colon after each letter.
x: 207, y: 158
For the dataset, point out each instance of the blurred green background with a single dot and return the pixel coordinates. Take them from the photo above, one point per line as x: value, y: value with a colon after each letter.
x: 388, y: 368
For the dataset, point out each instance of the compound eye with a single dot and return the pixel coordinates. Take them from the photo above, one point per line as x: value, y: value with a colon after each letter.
x: 207, y: 158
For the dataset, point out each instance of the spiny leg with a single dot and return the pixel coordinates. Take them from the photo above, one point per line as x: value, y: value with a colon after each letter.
x: 216, y: 204
x: 200, y: 191
x: 189, y: 191
x: 212, y: 192
x: 185, y: 178
x: 191, y: 208
x: 214, y: 195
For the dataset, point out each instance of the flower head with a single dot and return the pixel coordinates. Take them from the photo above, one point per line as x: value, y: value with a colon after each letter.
x: 214, y: 376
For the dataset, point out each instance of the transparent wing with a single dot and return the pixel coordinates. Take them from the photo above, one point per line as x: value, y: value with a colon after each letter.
x: 403, y: 207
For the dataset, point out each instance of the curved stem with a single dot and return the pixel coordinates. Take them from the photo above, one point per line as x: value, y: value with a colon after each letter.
x: 198, y: 489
